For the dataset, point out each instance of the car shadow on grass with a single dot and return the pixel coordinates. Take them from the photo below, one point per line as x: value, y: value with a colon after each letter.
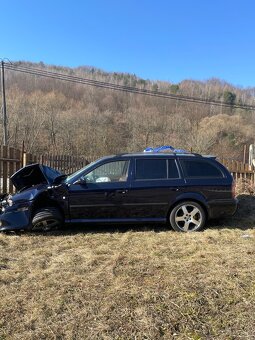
x: 108, y: 228
x: 82, y: 228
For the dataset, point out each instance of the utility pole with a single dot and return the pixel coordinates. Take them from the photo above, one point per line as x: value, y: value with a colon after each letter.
x: 5, y: 134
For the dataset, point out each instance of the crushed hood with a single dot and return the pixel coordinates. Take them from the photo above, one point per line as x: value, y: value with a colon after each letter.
x: 32, y: 175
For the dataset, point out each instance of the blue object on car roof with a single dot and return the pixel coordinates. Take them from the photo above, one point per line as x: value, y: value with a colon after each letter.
x: 165, y: 148
x: 160, y: 148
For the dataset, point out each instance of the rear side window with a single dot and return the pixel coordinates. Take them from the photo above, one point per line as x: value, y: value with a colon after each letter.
x: 172, y: 169
x: 196, y: 168
x: 151, y: 169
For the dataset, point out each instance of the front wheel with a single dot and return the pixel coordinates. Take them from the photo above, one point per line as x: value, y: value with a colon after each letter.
x: 47, y: 219
x: 187, y: 216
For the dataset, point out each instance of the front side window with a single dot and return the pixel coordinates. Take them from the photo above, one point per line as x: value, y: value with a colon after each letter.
x: 151, y: 169
x: 196, y: 168
x: 109, y: 172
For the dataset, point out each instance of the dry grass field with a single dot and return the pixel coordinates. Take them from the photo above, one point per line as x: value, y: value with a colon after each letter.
x: 131, y: 283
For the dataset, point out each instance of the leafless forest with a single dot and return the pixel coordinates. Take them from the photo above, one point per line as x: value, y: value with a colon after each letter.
x: 53, y: 115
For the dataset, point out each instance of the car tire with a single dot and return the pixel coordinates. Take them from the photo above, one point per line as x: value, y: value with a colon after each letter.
x: 187, y: 216
x: 47, y: 219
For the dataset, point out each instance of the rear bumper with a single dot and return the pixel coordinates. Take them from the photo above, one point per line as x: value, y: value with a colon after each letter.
x: 222, y: 207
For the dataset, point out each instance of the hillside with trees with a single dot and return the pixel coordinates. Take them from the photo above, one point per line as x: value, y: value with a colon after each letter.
x: 53, y: 115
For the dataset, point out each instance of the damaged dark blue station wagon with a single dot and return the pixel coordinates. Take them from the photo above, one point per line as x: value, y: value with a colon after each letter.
x: 184, y: 190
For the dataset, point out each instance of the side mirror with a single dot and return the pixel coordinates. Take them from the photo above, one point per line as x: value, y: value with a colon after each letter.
x: 81, y: 181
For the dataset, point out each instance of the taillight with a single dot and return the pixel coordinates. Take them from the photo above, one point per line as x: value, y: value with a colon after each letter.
x: 233, y: 189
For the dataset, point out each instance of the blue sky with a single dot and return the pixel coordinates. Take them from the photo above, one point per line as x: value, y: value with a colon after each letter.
x: 161, y: 40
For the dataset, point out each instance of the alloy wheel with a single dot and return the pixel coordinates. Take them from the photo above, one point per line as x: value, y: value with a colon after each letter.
x: 188, y: 217
x: 46, y: 225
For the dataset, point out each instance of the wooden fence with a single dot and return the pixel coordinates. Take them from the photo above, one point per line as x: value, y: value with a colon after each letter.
x: 12, y: 159
x: 10, y: 162
x: 239, y: 170
x: 63, y: 163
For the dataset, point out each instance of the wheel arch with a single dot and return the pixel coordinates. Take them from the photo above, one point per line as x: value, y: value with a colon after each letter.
x: 44, y: 200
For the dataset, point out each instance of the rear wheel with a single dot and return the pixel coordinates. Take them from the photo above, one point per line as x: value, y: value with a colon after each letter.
x: 47, y: 219
x: 187, y: 216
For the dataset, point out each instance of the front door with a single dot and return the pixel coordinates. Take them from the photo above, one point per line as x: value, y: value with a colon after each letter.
x: 100, y: 194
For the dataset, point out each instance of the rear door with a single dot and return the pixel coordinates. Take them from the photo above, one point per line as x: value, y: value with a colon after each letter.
x: 155, y: 183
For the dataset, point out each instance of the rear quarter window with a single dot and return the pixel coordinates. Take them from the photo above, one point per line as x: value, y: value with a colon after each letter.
x: 200, y: 169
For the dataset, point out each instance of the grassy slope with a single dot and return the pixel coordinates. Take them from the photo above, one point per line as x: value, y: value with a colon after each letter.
x: 144, y: 283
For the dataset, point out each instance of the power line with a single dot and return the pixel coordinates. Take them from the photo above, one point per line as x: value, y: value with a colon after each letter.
x: 112, y: 86
x: 116, y: 87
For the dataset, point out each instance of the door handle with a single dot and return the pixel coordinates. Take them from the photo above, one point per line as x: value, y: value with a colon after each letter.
x: 114, y: 192
x: 123, y: 191
x: 109, y: 194
x: 174, y: 189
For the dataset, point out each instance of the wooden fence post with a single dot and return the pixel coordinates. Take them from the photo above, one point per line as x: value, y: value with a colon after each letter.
x: 24, y: 158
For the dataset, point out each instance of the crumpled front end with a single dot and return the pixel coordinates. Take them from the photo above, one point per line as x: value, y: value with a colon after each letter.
x: 30, y: 181
x: 14, y: 216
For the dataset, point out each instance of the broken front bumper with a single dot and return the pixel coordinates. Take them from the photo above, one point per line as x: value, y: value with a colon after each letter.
x: 15, y: 219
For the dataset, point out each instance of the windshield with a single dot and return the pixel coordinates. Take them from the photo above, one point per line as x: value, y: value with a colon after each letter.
x: 78, y: 173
